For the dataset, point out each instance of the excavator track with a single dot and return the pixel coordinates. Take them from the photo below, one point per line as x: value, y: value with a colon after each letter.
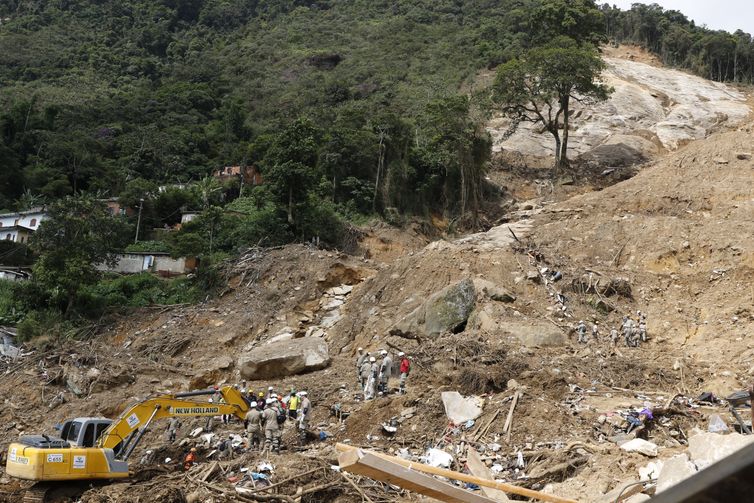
x: 43, y: 492
x: 37, y: 493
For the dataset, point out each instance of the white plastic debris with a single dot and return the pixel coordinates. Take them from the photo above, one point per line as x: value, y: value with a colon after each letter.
x: 651, y: 471
x: 716, y: 424
x: 438, y: 458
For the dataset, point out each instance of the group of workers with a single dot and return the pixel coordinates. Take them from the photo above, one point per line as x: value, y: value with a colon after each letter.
x: 269, y: 412
x: 634, y: 331
x: 264, y: 422
x: 374, y: 375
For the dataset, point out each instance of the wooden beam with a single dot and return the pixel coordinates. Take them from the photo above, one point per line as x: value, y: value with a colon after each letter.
x: 508, y: 488
x: 479, y: 469
x: 369, y: 465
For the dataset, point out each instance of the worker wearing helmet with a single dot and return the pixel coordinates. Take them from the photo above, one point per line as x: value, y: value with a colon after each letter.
x: 405, y: 368
x: 305, y: 414
x: 370, y: 390
x: 361, y: 357
x: 271, y: 426
x: 386, y: 370
x: 293, y: 404
x: 364, y: 370
x: 254, y: 426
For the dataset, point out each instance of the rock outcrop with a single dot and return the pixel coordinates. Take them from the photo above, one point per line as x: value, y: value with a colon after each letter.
x: 653, y: 108
x: 284, y: 358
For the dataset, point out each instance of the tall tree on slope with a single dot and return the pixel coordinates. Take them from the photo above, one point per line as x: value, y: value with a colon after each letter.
x: 538, y: 87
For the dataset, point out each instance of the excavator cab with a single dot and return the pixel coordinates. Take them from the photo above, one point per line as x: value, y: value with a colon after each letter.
x: 84, y: 431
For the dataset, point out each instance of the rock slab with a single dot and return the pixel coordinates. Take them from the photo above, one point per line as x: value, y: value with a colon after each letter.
x: 459, y: 408
x: 285, y: 358
x: 534, y: 333
x: 675, y: 470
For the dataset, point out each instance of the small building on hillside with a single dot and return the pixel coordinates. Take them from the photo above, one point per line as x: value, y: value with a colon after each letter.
x: 15, y: 273
x: 188, y: 216
x: 249, y: 174
x: 158, y: 263
x: 115, y: 208
x: 29, y: 219
x: 16, y: 233
x: 178, y: 186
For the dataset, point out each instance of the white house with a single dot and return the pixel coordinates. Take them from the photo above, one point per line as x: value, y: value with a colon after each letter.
x: 16, y: 233
x: 29, y: 219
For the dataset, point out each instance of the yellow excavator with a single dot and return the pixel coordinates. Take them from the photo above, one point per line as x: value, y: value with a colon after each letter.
x: 91, y: 448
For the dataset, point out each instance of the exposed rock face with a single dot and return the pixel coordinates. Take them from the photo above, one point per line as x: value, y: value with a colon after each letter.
x: 651, y: 107
x: 285, y: 358
x: 449, y: 308
x: 493, y: 291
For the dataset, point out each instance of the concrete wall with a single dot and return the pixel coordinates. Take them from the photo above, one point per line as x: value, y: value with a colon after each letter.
x: 169, y: 266
x: 134, y: 263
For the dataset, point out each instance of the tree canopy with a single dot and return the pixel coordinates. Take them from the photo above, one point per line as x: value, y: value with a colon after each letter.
x: 77, y: 234
x: 538, y: 87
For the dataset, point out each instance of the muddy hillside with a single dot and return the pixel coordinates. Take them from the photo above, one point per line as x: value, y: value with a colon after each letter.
x: 490, y: 322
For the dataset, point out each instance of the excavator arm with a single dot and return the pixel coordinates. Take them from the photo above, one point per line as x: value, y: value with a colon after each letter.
x: 137, y: 418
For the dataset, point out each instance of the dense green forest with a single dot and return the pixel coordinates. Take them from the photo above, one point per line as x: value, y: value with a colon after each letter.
x: 679, y: 42
x: 99, y: 95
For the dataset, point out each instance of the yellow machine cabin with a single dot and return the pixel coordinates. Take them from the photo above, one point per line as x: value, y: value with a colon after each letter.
x: 92, y: 448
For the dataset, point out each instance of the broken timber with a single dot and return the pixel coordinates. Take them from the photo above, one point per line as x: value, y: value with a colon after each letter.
x: 420, y: 467
x: 479, y: 469
x: 372, y: 466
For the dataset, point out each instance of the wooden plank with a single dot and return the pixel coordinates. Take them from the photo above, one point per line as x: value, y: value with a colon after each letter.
x: 509, y: 419
x: 367, y: 464
x: 479, y: 469
x: 509, y: 488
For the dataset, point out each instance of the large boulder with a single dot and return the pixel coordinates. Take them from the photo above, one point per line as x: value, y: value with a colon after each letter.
x: 448, y: 309
x: 284, y: 358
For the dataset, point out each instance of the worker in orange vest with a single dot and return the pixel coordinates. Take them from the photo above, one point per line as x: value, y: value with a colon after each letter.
x: 190, y: 459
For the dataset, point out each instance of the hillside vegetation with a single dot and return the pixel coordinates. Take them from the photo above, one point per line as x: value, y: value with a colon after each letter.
x: 97, y: 94
x: 349, y: 110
